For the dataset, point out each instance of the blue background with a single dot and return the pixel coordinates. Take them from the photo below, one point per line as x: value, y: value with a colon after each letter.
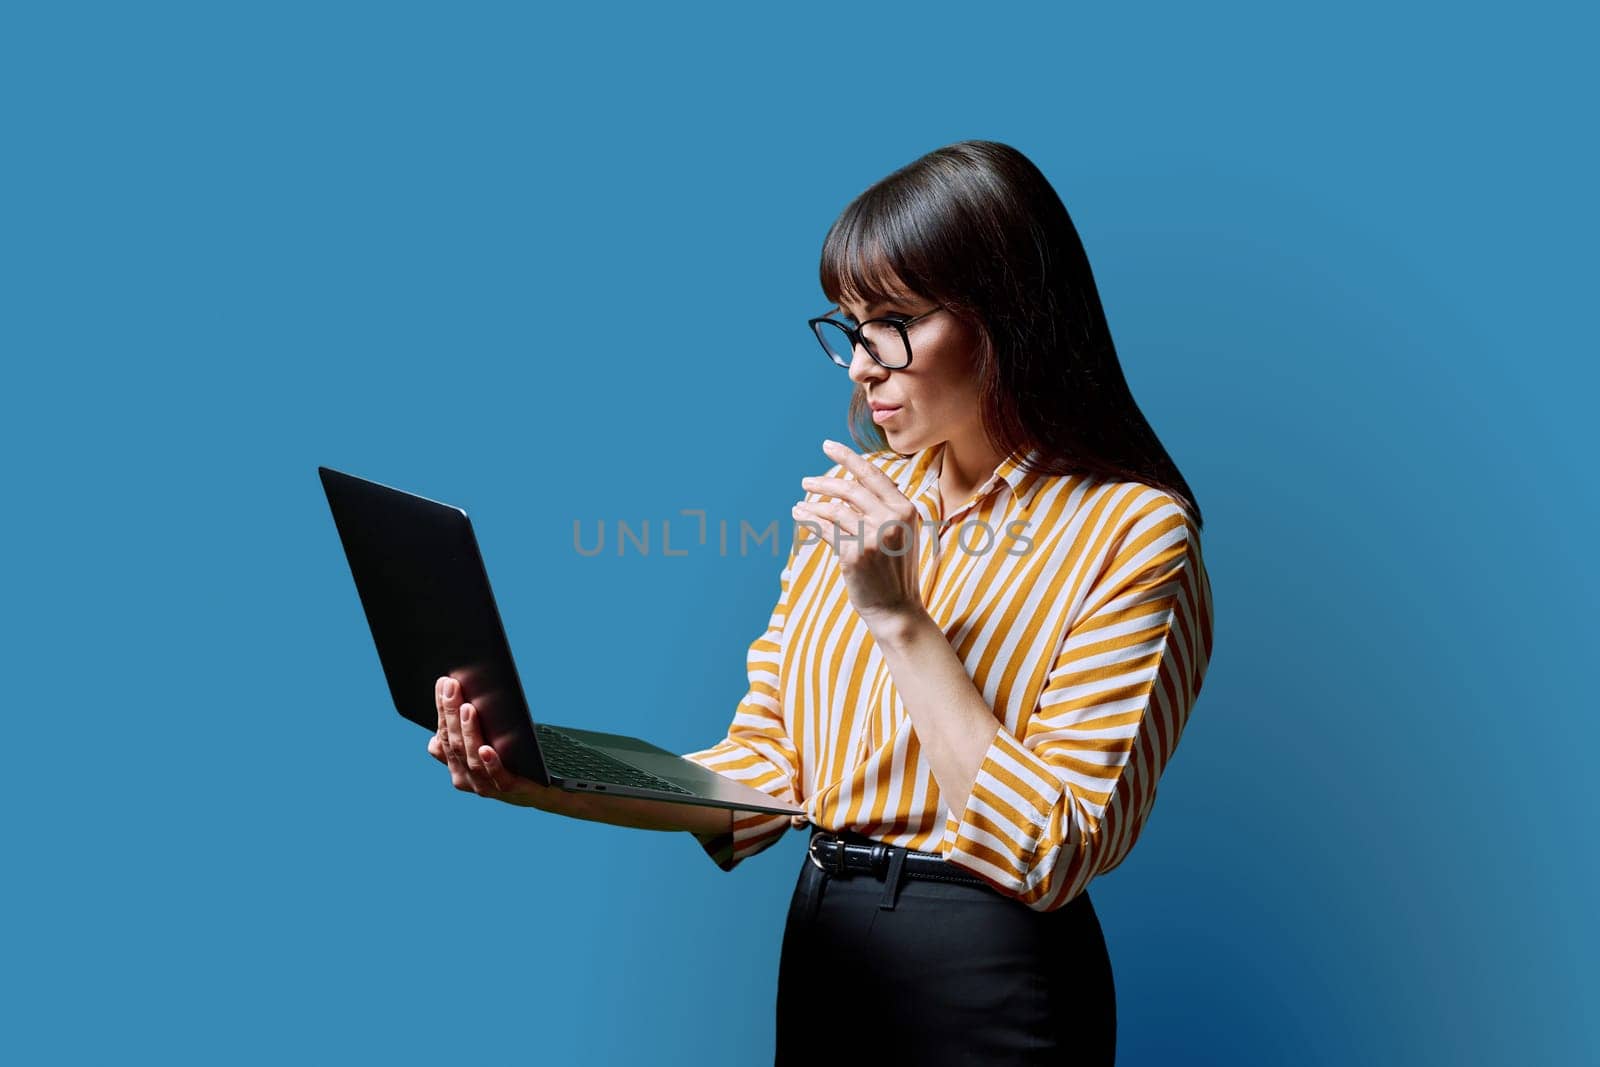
x: 555, y: 267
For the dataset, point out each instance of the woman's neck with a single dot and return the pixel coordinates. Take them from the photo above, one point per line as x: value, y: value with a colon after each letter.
x: 962, y: 468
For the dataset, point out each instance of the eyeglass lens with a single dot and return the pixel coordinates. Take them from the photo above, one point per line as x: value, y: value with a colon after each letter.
x: 886, y: 343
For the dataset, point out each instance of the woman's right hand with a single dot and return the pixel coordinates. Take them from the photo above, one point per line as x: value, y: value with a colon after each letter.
x: 476, y: 767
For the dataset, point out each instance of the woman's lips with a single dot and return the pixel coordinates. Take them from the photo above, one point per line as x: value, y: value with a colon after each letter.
x: 884, y: 414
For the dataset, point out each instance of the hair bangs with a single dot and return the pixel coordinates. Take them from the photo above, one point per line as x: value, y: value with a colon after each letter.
x: 871, y: 254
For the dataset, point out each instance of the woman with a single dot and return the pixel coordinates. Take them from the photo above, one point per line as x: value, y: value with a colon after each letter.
x: 990, y: 630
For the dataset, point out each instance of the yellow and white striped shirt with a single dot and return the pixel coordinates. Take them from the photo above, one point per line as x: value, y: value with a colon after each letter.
x: 1086, y: 626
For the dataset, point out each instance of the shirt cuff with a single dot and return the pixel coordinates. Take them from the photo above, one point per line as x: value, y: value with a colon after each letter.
x: 1014, y: 811
x: 751, y: 831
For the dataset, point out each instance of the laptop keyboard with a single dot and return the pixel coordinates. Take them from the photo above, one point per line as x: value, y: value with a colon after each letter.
x: 571, y: 758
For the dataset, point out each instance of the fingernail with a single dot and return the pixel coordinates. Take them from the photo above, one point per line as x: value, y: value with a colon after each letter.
x: 449, y: 688
x: 466, y: 712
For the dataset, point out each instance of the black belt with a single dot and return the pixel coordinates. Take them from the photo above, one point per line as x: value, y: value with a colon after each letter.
x: 848, y: 852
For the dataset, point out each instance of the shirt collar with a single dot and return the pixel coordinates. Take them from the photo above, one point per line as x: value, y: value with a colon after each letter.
x: 1024, y: 484
x: 1011, y: 470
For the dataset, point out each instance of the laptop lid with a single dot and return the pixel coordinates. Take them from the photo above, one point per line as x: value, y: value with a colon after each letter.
x: 426, y: 595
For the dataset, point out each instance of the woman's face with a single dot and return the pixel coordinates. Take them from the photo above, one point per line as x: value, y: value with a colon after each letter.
x: 935, y: 399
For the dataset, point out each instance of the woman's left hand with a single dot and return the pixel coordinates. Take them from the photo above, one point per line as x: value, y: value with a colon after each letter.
x: 876, y: 532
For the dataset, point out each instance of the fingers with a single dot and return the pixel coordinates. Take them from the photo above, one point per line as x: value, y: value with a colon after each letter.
x: 472, y: 741
x: 452, y: 719
x: 462, y: 739
x: 436, y: 742
x: 843, y: 489
x: 834, y: 521
x: 483, y: 772
x: 458, y: 743
x: 504, y: 781
x: 452, y: 748
x: 809, y: 514
x: 866, y: 472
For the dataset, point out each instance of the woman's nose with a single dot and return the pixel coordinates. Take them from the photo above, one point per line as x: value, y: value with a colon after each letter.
x: 863, y: 367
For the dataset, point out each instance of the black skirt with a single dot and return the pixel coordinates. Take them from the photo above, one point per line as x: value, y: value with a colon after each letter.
x: 952, y: 974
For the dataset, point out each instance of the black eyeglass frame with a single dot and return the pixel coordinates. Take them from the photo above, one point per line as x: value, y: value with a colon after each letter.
x: 854, y: 333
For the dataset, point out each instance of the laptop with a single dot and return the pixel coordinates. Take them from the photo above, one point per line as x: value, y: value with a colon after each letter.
x: 426, y: 595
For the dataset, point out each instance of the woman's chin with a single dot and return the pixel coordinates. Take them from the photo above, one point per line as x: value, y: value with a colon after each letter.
x: 902, y: 441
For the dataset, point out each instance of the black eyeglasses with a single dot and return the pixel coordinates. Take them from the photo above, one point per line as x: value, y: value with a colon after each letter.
x: 884, y: 339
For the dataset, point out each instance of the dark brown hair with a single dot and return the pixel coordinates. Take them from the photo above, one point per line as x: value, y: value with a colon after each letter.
x: 977, y: 227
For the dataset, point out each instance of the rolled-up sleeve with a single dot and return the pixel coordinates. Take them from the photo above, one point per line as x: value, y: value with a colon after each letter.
x: 758, y: 750
x: 1065, y: 801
